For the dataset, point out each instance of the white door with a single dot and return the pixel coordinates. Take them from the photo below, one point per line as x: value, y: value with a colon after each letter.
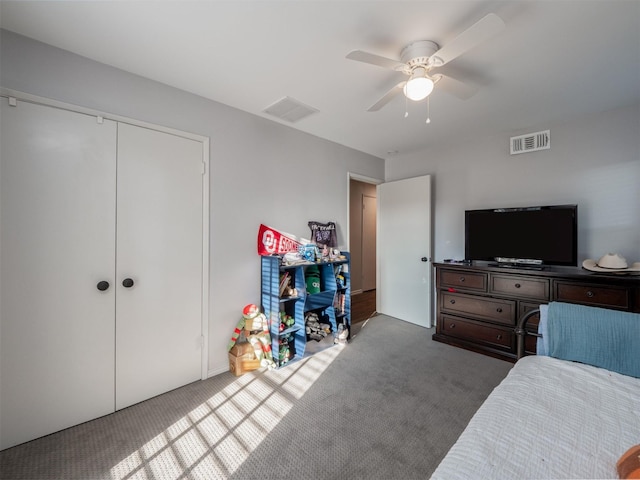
x: 159, y: 245
x: 57, y: 216
x: 369, y: 243
x: 404, y: 250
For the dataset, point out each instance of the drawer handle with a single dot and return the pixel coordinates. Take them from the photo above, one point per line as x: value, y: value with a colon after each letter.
x: 499, y: 310
x: 590, y: 294
x: 461, y: 279
x: 517, y: 285
x: 452, y: 325
x: 452, y: 301
x: 499, y: 336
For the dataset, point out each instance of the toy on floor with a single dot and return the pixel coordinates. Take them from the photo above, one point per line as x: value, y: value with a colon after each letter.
x: 256, y: 328
x: 342, y: 335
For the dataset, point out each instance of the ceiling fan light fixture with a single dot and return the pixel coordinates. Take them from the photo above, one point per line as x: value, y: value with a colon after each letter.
x: 419, y: 85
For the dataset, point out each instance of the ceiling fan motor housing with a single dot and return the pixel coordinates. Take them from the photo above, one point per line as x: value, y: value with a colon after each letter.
x: 418, y: 53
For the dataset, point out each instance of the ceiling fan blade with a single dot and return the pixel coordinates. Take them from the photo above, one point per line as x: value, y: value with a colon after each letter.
x: 455, y: 87
x: 482, y: 30
x: 390, y: 95
x: 376, y: 60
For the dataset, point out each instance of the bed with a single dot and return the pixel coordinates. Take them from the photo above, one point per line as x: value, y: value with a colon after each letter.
x: 553, y: 417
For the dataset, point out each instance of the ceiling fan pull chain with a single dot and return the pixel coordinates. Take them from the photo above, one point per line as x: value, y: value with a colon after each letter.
x: 428, y: 110
x: 406, y: 107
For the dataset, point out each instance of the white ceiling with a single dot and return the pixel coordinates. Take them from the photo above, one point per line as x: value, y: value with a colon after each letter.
x: 554, y: 60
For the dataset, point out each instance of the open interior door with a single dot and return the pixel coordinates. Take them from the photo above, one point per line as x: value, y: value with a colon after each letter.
x: 404, y: 250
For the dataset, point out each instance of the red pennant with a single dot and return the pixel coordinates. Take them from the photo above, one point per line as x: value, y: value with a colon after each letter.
x: 271, y: 241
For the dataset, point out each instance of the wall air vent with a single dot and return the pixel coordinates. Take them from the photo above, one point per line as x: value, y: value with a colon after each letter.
x: 531, y: 142
x: 290, y: 109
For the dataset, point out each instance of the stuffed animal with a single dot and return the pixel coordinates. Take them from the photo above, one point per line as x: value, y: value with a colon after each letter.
x: 284, y: 350
x: 286, y: 321
x: 256, y: 328
x: 342, y: 334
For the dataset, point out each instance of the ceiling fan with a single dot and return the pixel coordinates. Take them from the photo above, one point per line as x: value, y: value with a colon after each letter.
x: 419, y: 59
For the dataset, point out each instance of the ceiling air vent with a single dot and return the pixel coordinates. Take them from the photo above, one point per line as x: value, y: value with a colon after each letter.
x: 290, y: 110
x: 531, y: 142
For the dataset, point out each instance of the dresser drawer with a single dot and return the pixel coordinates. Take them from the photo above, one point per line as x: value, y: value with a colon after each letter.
x: 596, y: 295
x: 463, y: 280
x: 493, y: 309
x: 532, y: 288
x: 532, y: 323
x: 477, y: 332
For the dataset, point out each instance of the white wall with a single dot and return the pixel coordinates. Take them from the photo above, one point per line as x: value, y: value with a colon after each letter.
x: 594, y: 161
x: 261, y: 171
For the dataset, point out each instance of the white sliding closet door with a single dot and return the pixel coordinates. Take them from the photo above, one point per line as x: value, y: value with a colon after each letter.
x: 57, y: 242
x: 159, y: 245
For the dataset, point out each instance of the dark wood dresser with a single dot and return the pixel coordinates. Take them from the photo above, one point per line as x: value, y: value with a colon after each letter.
x: 478, y: 305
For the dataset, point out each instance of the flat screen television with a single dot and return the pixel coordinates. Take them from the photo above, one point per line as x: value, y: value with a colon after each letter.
x: 526, y: 235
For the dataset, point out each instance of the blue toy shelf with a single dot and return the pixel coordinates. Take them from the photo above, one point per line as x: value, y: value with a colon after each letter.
x: 333, y: 302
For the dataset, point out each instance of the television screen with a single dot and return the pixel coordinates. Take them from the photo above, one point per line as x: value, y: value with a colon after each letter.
x: 547, y: 234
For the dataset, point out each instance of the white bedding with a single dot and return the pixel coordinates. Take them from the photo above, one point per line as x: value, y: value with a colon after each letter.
x: 549, y: 419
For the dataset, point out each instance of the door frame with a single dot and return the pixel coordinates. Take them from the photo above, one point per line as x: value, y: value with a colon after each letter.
x: 364, y: 179
x: 359, y: 178
x: 366, y: 252
x: 26, y: 97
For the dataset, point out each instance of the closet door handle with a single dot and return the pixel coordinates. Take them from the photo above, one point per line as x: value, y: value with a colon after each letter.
x: 127, y: 283
x: 102, y: 286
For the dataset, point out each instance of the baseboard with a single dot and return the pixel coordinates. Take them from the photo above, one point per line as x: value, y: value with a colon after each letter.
x: 217, y: 371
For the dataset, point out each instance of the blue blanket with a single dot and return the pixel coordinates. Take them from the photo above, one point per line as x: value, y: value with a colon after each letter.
x: 542, y: 343
x: 595, y: 336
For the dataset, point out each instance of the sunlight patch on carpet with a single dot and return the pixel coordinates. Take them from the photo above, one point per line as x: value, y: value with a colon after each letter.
x: 215, y: 438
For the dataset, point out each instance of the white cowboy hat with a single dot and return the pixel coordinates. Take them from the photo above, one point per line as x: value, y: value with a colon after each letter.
x: 611, y: 263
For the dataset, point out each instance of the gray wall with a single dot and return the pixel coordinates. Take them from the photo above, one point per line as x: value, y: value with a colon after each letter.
x: 261, y: 171
x: 594, y: 161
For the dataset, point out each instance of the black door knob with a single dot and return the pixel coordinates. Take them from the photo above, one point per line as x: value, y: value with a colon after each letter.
x: 424, y: 259
x: 127, y: 283
x: 102, y: 286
